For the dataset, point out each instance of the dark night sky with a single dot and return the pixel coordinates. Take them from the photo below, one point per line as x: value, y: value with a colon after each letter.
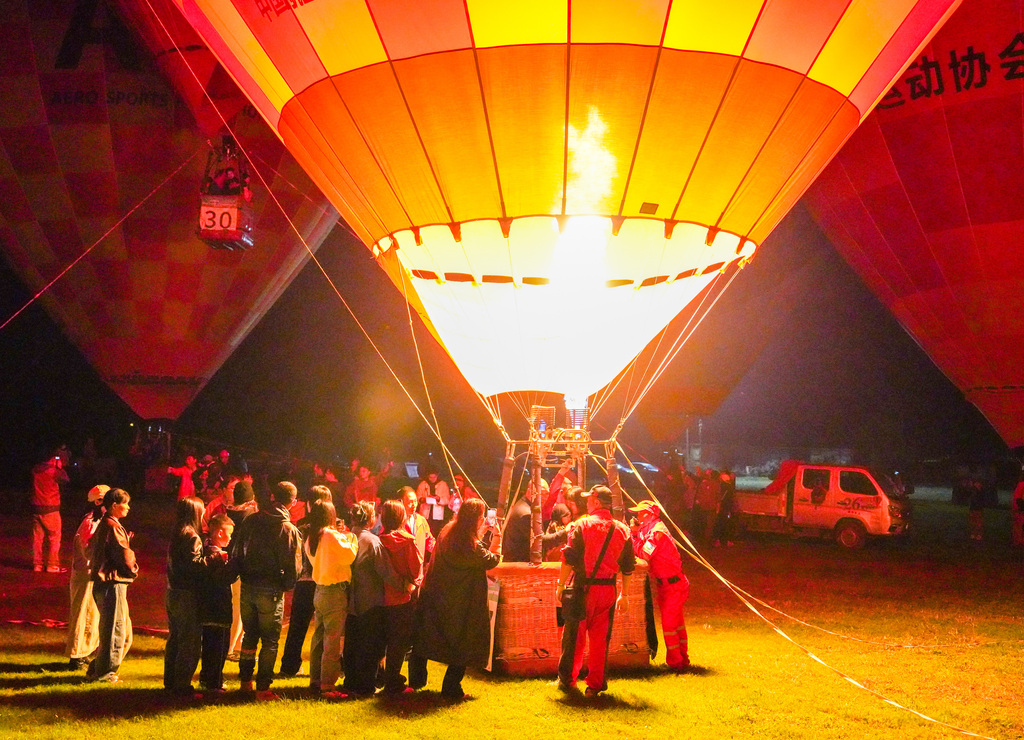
x: 813, y: 358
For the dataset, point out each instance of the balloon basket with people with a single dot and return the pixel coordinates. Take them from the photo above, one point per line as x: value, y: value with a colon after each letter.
x: 527, y: 637
x: 527, y: 611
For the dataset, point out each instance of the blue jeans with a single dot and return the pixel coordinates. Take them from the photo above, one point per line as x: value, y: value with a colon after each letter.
x: 112, y: 602
x: 184, y: 639
x: 262, y: 617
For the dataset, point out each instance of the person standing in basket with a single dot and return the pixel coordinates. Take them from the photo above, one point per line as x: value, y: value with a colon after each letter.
x: 599, y: 549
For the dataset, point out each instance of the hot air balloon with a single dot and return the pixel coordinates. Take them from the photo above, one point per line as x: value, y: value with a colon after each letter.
x: 534, y: 176
x: 921, y: 201
x: 539, y: 178
x: 92, y: 135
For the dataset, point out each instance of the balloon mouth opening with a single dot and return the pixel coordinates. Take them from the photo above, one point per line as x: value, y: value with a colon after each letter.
x: 554, y: 304
x: 566, y: 252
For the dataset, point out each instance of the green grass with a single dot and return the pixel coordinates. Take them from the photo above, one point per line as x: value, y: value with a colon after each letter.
x: 962, y: 603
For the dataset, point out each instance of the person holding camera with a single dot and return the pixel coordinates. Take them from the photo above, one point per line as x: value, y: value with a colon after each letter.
x: 47, y: 478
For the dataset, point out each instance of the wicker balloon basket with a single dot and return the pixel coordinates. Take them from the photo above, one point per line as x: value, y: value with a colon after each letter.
x: 527, y: 640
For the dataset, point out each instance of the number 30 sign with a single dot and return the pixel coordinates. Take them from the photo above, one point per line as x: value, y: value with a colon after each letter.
x: 218, y: 218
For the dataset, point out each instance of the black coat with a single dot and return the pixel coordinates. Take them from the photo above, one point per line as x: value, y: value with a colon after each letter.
x: 518, y: 532
x: 452, y: 622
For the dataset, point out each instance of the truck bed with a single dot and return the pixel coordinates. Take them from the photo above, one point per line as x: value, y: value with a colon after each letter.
x: 759, y: 502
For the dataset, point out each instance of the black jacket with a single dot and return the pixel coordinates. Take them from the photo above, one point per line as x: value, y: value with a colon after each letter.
x: 185, y: 561
x: 266, y: 550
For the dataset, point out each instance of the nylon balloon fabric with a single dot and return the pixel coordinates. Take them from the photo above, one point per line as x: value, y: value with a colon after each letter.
x: 92, y: 132
x: 922, y: 203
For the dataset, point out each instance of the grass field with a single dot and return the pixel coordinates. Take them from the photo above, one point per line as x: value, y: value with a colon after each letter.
x: 961, y: 604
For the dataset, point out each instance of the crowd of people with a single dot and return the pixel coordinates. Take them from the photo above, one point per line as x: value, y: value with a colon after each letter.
x: 355, y: 566
x: 382, y: 581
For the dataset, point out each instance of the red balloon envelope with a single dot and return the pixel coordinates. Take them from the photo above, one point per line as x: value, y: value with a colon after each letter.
x: 923, y: 202
x: 88, y: 131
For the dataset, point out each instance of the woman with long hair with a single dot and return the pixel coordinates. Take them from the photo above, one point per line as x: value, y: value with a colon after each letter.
x: 365, y: 638
x: 185, y: 571
x: 331, y: 553
x: 452, y: 622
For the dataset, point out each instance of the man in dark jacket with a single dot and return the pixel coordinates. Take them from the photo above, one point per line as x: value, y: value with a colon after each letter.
x: 519, y: 526
x: 266, y: 549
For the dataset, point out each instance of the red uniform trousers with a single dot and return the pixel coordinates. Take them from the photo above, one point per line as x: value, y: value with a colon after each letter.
x: 597, y: 628
x: 671, y: 600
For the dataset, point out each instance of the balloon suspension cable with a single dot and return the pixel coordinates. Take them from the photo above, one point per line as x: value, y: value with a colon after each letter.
x: 495, y: 412
x: 676, y: 348
x: 632, y: 399
x: 426, y: 390
x: 748, y: 601
x: 698, y: 311
x: 630, y: 370
x: 305, y: 244
x: 103, y: 236
x: 278, y: 175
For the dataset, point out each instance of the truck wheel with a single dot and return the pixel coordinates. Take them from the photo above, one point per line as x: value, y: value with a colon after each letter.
x: 851, y: 534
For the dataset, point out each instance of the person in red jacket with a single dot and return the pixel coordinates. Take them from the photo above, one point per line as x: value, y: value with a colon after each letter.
x: 399, y: 605
x: 653, y: 542
x: 599, y: 549
x: 47, y: 478
x: 365, y: 486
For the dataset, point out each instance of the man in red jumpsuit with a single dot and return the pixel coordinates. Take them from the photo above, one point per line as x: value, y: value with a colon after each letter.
x: 653, y: 542
x: 599, y: 549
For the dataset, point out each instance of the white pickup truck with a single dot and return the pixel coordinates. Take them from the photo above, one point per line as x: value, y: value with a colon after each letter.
x: 846, y: 503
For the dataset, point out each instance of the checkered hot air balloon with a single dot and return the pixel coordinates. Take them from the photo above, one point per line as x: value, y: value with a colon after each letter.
x: 91, y: 133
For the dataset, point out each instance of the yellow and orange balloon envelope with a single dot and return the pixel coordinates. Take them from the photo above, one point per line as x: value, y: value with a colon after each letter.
x: 542, y: 175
